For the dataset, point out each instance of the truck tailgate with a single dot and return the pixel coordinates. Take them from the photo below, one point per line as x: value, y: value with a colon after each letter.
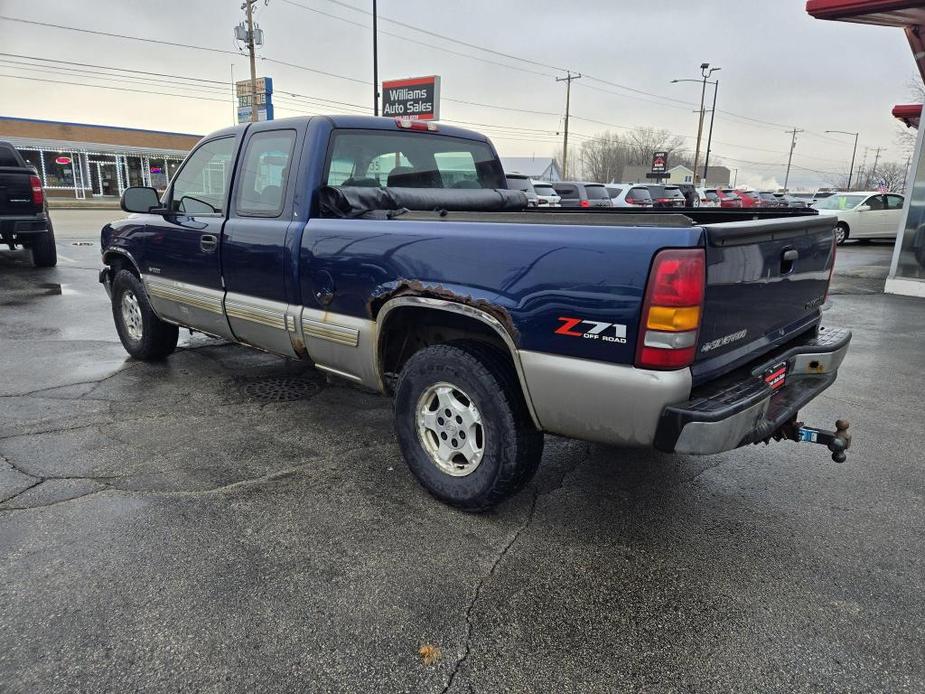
x: 766, y: 283
x: 16, y: 192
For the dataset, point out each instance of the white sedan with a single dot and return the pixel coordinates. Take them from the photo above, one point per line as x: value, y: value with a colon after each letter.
x: 863, y: 215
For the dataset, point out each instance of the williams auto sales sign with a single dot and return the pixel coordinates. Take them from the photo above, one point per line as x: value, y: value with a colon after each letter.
x: 417, y: 98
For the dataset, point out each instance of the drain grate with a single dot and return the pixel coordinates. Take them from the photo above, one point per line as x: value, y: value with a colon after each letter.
x: 281, y: 389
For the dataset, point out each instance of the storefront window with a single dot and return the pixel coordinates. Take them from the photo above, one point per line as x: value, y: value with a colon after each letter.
x: 911, y: 264
x: 172, y: 166
x: 33, y: 158
x: 59, y: 169
x: 133, y: 167
x: 158, y: 169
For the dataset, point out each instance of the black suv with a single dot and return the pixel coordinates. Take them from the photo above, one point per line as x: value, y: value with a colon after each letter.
x: 580, y: 194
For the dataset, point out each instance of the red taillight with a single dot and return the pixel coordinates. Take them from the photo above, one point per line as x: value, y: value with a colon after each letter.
x: 38, y: 195
x: 584, y: 203
x: 672, y: 310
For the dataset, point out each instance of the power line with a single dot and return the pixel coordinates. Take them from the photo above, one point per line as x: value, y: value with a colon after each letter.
x: 120, y: 89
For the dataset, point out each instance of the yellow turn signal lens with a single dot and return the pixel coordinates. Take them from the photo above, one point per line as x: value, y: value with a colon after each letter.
x: 672, y: 318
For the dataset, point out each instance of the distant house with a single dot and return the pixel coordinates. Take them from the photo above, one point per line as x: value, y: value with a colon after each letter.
x: 541, y: 168
x: 717, y: 176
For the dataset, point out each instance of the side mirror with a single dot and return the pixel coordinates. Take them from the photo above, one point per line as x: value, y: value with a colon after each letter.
x: 141, y: 199
x: 862, y: 208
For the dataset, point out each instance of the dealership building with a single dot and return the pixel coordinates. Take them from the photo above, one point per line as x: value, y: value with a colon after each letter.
x: 81, y: 161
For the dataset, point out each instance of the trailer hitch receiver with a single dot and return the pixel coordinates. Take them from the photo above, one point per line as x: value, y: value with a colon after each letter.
x: 838, y: 441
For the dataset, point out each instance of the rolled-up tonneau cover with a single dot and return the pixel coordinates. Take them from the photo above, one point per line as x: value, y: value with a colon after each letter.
x: 352, y: 201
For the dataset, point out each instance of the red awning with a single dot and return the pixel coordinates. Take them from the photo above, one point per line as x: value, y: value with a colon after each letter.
x: 908, y: 114
x: 896, y: 13
x: 908, y: 14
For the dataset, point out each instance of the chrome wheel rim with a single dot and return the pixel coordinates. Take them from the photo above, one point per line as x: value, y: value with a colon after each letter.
x: 839, y: 235
x: 131, y: 315
x: 450, y: 429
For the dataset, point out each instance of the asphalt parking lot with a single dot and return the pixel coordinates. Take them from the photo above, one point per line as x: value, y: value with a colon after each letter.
x: 230, y: 521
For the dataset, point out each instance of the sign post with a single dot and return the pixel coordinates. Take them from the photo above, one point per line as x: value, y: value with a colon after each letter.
x: 415, y: 98
x: 264, y: 99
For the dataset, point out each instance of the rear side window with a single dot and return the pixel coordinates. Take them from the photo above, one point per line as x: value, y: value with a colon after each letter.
x: 8, y: 156
x: 656, y: 191
x: 596, y: 192
x: 410, y: 159
x: 674, y: 193
x: 894, y: 202
x: 639, y: 194
x: 265, y: 174
x: 566, y: 191
x: 613, y: 191
x: 711, y: 195
x: 515, y: 183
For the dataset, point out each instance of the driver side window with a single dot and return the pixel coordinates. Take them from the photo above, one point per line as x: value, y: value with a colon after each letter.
x: 201, y: 186
x: 875, y: 202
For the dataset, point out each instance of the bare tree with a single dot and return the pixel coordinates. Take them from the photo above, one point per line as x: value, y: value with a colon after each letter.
x: 642, y: 142
x: 905, y: 136
x: 604, y: 157
x: 892, y: 173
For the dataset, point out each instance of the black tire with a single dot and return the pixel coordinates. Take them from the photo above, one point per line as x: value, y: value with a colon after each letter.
x: 157, y: 339
x: 511, y: 445
x: 44, y: 251
x: 841, y: 233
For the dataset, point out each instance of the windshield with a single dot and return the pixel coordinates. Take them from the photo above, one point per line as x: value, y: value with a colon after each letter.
x: 543, y: 189
x: 840, y: 202
x: 656, y: 191
x: 410, y: 159
x: 639, y: 194
x: 596, y: 192
x: 673, y: 193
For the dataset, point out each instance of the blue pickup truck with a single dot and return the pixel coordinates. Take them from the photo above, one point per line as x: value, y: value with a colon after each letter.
x: 391, y: 253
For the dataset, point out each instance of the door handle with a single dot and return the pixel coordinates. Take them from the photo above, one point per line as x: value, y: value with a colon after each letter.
x: 208, y: 243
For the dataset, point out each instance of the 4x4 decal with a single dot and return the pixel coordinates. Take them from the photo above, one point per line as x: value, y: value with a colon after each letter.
x: 607, y: 332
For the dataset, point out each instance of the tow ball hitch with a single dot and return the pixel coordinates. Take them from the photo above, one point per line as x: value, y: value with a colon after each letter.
x: 838, y: 441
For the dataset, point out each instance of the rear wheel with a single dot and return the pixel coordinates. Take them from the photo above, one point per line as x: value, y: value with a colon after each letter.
x: 143, y: 334
x: 463, y: 426
x: 841, y: 233
x: 44, y: 252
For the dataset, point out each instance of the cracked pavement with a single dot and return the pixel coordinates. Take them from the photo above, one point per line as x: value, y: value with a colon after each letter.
x: 163, y: 529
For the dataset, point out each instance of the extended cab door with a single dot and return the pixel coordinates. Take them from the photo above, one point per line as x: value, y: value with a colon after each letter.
x: 181, y: 265
x: 255, y: 258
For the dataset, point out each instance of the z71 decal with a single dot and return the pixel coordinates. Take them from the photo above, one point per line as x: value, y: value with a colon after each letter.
x: 592, y: 330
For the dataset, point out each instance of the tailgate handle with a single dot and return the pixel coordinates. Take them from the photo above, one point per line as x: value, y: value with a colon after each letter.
x: 787, y: 259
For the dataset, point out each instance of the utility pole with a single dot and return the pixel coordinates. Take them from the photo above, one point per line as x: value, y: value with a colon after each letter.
x: 793, y: 145
x: 375, y: 60
x: 853, y: 152
x: 906, y: 174
x: 249, y: 8
x: 873, y: 169
x: 706, y: 163
x: 568, y: 95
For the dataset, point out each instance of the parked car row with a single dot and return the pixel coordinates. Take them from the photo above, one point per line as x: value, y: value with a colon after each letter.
x: 539, y: 193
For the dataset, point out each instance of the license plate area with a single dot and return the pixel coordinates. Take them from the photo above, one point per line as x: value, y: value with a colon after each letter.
x: 776, y: 375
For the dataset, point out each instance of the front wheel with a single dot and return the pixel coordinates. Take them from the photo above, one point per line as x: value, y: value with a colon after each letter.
x: 143, y: 334
x: 463, y: 425
x: 841, y: 233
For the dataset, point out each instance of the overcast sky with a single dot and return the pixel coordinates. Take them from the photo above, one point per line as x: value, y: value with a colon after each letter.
x: 779, y: 65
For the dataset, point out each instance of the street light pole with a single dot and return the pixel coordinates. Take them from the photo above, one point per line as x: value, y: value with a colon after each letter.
x: 706, y: 71
x: 853, y: 152
x: 706, y: 163
x: 375, y: 60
